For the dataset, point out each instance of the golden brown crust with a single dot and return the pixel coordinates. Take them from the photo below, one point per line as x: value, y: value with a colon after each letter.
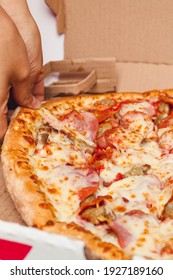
x: 102, y: 250
x: 119, y: 96
x: 22, y: 184
x: 25, y: 187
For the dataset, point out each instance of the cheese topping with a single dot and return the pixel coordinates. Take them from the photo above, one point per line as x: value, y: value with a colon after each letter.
x: 144, y: 107
x: 117, y: 191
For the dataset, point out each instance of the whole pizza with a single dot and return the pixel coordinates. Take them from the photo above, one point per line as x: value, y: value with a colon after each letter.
x: 98, y: 168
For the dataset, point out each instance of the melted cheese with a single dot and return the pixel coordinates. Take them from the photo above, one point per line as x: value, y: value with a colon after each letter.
x: 144, y: 107
x: 164, y: 170
x: 141, y: 126
x: 138, y: 122
x: 59, y: 150
x: 147, y: 193
x: 110, y: 171
x: 145, y: 235
x: 53, y: 121
x: 137, y: 192
x: 61, y: 185
x: 123, y: 138
x: 166, y: 140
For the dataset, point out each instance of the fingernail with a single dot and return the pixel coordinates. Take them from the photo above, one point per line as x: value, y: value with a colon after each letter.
x: 36, y: 104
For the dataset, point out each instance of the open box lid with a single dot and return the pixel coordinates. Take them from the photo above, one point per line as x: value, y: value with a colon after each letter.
x: 138, y: 33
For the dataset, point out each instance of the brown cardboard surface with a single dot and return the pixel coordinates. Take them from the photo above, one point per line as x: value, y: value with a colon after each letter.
x: 130, y: 30
x: 143, y: 76
x: 8, y: 210
x: 57, y: 6
x: 76, y: 76
x: 133, y: 31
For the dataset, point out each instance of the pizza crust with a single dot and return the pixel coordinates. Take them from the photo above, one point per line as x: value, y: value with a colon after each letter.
x: 24, y: 186
x: 21, y: 182
x: 97, y: 248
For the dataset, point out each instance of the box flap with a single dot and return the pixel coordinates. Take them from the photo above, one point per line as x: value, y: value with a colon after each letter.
x: 143, y: 76
x: 57, y: 7
x: 75, y: 76
x: 130, y: 30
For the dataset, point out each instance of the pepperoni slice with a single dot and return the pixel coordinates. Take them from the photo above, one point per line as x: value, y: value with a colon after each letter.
x: 85, y: 192
x: 83, y: 122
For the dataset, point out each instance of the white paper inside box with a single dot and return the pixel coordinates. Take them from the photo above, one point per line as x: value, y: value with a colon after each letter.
x: 19, y: 242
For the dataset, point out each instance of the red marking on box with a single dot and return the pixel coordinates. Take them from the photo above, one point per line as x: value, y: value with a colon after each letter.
x: 10, y: 250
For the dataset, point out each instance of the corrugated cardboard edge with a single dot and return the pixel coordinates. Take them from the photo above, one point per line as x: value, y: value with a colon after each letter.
x: 105, y: 69
x: 57, y: 7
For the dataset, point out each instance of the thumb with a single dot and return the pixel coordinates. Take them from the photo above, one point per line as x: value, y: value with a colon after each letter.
x: 23, y: 96
x: 3, y: 119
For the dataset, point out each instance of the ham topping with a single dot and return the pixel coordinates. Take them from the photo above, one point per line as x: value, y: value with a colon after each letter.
x: 124, y: 237
x: 84, y: 122
x: 83, y: 126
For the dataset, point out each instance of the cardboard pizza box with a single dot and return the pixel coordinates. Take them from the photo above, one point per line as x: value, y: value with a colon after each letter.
x: 133, y: 37
x: 76, y: 76
x: 19, y: 242
x: 139, y: 34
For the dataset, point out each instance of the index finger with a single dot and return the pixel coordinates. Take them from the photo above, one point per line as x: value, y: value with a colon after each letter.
x: 38, y: 89
x: 3, y: 119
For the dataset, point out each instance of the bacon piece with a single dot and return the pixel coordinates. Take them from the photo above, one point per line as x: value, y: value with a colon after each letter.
x: 94, y: 203
x: 103, y: 153
x: 168, y: 121
x: 124, y: 237
x: 167, y: 249
x: 84, y: 122
x: 104, y: 141
x: 87, y: 191
x: 102, y: 115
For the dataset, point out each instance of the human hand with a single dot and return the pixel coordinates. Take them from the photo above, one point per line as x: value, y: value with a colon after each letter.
x: 15, y: 69
x: 21, y: 16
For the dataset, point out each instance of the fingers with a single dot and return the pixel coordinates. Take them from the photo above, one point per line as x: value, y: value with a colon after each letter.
x: 3, y: 112
x: 16, y: 69
x: 20, y: 77
x: 3, y: 126
x: 38, y: 89
x: 22, y: 93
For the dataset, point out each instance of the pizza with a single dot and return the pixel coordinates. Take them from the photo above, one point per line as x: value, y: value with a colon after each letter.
x: 97, y: 168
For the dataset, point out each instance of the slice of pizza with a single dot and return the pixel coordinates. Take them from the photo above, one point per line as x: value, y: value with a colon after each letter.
x: 97, y: 168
